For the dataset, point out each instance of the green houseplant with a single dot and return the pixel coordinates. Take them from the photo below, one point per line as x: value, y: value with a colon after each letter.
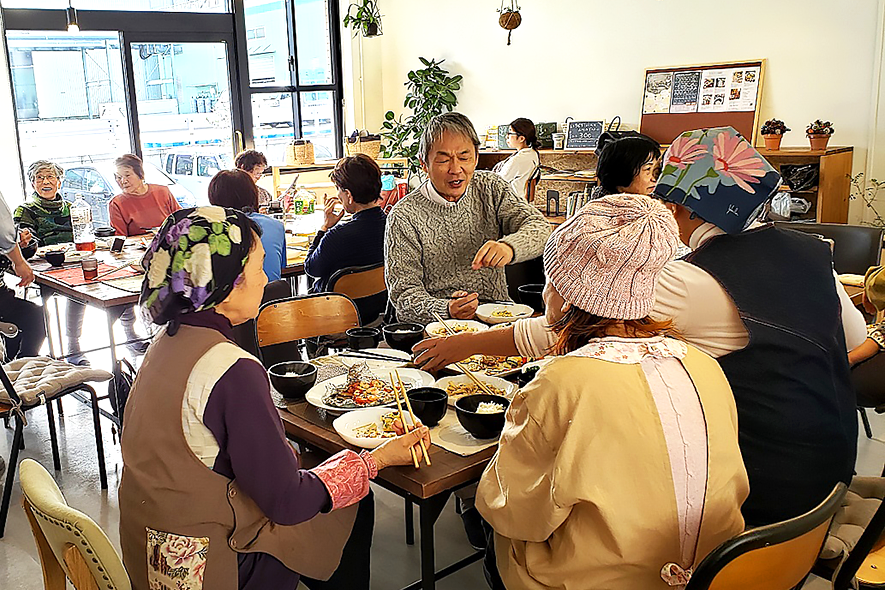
x: 431, y: 91
x: 363, y: 17
x: 773, y: 131
x: 819, y: 133
x: 868, y: 190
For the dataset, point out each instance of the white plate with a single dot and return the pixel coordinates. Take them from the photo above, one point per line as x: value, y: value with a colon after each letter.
x: 410, y: 377
x: 519, y: 311
x: 345, y: 424
x: 437, y: 329
x: 508, y: 387
x: 377, y: 365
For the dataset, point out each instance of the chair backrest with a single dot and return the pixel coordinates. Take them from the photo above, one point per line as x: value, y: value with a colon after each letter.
x: 532, y: 184
x: 772, y: 557
x: 856, y: 247
x: 70, y: 543
x: 359, y: 282
x: 244, y: 334
x: 306, y: 316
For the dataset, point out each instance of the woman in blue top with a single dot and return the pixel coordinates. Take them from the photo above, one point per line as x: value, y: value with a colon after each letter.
x: 236, y: 190
x: 359, y: 242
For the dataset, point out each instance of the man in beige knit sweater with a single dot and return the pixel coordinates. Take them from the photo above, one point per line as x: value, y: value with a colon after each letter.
x: 448, y: 241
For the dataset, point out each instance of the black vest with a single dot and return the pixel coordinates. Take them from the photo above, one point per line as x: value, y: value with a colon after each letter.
x: 791, y: 384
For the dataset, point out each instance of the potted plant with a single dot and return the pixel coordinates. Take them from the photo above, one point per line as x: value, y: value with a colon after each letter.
x: 509, y: 17
x: 819, y: 134
x: 431, y: 91
x: 772, y: 132
x: 363, y: 17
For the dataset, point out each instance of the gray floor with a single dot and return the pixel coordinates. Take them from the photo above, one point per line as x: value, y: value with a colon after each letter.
x: 394, y: 564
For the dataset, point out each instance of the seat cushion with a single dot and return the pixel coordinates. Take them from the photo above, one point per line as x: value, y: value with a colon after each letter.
x: 863, y: 498
x: 40, y: 376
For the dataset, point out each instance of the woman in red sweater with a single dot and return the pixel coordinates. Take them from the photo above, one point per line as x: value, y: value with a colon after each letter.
x: 140, y: 206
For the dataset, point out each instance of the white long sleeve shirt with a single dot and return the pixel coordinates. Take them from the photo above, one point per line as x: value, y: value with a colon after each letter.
x: 8, y: 233
x: 699, y: 307
x: 518, y: 168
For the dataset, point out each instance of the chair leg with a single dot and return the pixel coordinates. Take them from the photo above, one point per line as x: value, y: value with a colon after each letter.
x: 53, y: 436
x: 410, y: 522
x: 99, y: 442
x: 866, y: 422
x: 10, y: 474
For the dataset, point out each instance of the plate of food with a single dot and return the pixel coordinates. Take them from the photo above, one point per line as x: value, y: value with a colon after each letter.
x: 492, y: 366
x: 456, y: 326
x: 499, y: 313
x: 361, y: 387
x: 461, y: 385
x: 366, y: 428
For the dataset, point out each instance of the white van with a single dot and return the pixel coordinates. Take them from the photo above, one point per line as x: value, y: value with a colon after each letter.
x: 194, y: 168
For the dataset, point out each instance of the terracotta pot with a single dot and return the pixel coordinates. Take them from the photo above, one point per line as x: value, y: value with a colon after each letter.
x: 772, y: 141
x: 818, y: 141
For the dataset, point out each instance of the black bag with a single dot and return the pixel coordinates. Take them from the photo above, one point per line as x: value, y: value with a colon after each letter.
x: 122, y: 381
x: 612, y: 133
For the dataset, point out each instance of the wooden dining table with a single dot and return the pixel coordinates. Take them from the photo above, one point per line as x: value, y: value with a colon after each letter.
x: 429, y: 487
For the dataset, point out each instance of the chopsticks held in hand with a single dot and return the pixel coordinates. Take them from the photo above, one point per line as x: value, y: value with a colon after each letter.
x: 402, y: 418
x: 412, y: 414
x: 479, y: 383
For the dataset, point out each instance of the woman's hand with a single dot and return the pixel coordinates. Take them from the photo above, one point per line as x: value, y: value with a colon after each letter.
x: 435, y: 353
x: 24, y: 237
x: 330, y: 218
x: 395, y: 451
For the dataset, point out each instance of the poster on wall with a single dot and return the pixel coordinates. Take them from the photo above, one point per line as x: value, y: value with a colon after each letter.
x: 729, y: 90
x: 658, y: 89
x: 686, y: 91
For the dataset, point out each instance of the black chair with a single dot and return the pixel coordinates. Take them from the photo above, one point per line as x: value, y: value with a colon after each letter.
x: 529, y: 272
x: 773, y: 557
x: 244, y: 334
x: 16, y: 411
x: 856, y: 247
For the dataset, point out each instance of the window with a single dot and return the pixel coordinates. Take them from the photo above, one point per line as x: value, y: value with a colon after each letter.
x: 268, y: 52
x: 184, y: 165
x: 145, y: 5
x: 169, y: 159
x: 207, y: 166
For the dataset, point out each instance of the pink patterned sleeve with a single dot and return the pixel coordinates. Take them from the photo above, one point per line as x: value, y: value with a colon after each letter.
x: 346, y: 477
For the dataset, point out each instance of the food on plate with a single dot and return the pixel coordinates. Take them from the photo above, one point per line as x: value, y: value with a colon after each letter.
x: 489, y: 408
x: 456, y: 390
x: 502, y: 313
x: 370, y: 430
x: 454, y: 328
x: 362, y: 389
x: 493, y: 365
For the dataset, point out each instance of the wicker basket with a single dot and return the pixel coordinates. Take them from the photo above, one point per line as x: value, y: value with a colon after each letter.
x: 371, y: 148
x: 300, y: 154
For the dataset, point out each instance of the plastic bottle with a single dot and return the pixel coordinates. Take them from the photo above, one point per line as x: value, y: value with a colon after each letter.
x: 81, y: 222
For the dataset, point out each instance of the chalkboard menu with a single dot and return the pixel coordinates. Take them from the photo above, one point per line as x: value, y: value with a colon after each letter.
x: 503, y: 130
x: 583, y: 135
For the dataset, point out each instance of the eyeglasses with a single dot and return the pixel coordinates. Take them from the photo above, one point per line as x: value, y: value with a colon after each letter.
x: 49, y: 178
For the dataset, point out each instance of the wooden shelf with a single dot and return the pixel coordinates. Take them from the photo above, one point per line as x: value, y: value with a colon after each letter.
x: 829, y: 199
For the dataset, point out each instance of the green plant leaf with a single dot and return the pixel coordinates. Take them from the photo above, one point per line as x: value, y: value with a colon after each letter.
x: 389, y: 116
x: 424, y: 61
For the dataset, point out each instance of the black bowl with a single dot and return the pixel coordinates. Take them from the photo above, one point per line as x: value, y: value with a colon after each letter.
x: 481, y: 425
x: 531, y: 295
x: 525, y: 376
x: 55, y: 258
x: 403, y: 336
x: 358, y: 338
x: 293, y: 378
x: 429, y: 403
x: 105, y: 232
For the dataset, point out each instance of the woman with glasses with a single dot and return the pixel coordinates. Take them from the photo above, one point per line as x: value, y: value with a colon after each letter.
x: 253, y: 163
x: 518, y: 168
x: 46, y: 219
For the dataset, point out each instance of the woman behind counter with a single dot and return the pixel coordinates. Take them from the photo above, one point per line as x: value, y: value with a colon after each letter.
x: 518, y: 168
x: 212, y: 495
x: 619, y: 465
x: 253, y: 163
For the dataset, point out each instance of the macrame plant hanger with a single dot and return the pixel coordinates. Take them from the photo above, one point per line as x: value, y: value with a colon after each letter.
x: 509, y: 17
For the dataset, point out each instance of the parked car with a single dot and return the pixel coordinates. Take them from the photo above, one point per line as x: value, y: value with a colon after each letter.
x: 97, y: 185
x: 194, y: 168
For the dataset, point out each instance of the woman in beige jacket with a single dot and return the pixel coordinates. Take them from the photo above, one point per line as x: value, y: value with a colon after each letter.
x: 619, y: 465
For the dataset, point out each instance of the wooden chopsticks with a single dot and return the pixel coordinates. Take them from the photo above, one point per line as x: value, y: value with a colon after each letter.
x: 479, y: 383
x: 397, y: 385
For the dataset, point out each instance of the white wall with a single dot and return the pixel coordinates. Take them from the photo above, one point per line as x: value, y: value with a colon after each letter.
x: 586, y: 58
x: 10, y: 161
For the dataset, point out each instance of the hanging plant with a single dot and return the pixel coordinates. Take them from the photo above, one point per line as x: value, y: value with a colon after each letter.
x: 363, y: 17
x: 509, y: 17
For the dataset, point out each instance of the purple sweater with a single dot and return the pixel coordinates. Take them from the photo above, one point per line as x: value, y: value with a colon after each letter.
x: 253, y: 450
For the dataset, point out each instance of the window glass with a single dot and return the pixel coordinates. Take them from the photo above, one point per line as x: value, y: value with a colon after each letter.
x: 93, y: 182
x: 146, y: 5
x: 267, y: 42
x: 169, y: 159
x: 317, y: 113
x: 73, y: 180
x: 314, y: 43
x: 184, y: 165
x: 207, y: 166
x: 273, y: 125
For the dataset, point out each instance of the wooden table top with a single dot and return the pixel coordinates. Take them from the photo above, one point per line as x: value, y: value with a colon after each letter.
x: 303, y: 421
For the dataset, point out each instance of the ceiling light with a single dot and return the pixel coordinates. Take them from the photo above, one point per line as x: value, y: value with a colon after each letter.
x: 73, y: 24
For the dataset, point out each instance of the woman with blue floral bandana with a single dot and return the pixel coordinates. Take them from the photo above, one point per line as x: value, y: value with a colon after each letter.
x: 212, y: 495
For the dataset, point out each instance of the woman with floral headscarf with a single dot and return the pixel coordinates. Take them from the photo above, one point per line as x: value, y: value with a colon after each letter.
x: 212, y: 495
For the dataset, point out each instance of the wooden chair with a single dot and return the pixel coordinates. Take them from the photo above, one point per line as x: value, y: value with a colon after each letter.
x: 306, y: 316
x: 16, y: 410
x: 244, y: 334
x: 71, y: 545
x: 365, y: 286
x: 773, y: 557
x: 532, y: 184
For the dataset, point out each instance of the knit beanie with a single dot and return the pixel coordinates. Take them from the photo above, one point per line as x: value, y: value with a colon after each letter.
x: 606, y: 259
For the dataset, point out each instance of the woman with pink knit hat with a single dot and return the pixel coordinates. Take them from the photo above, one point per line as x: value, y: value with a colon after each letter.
x: 619, y: 464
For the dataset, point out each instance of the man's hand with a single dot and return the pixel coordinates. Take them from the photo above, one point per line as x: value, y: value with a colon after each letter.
x: 330, y: 218
x: 24, y: 237
x: 433, y: 354
x: 463, y: 305
x: 493, y: 254
x: 23, y: 271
